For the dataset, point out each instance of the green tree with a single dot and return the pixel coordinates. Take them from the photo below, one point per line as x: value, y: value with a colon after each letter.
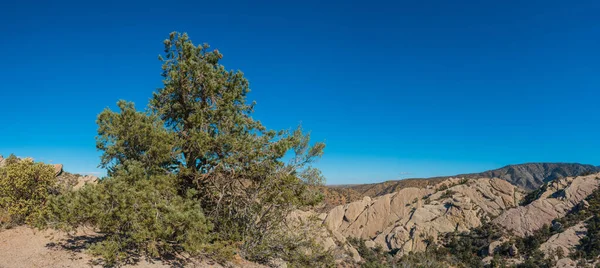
x: 198, y: 138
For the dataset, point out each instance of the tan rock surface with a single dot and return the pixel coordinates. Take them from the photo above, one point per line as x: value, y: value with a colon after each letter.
x: 83, y: 180
x: 413, y: 217
x: 58, y: 169
x: 567, y: 240
x: 566, y: 263
x: 560, y: 197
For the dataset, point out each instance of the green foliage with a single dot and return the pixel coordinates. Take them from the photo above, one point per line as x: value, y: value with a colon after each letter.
x: 373, y: 258
x: 139, y: 214
x: 195, y: 172
x: 589, y: 246
x: 533, y: 195
x: 431, y: 259
x: 536, y: 259
x: 469, y: 248
x: 133, y: 136
x: 530, y: 244
x: 24, y: 188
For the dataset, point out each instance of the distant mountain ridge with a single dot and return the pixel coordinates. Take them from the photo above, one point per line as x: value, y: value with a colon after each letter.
x: 528, y: 176
x: 531, y: 176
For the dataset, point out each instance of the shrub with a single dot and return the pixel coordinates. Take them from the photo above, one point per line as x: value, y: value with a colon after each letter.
x: 373, y: 258
x: 24, y: 188
x: 447, y: 194
x: 138, y: 214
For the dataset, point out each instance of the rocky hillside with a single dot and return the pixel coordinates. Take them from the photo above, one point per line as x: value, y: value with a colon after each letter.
x: 403, y: 220
x: 526, y: 176
x: 535, y: 229
x: 557, y: 199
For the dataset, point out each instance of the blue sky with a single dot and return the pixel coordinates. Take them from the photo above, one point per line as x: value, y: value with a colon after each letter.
x: 395, y: 88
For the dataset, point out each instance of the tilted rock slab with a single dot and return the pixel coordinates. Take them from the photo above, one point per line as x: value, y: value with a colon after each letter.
x: 567, y: 240
x: 560, y: 197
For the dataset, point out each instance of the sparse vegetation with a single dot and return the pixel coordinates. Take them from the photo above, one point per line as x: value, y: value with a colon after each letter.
x: 533, y: 195
x: 447, y: 194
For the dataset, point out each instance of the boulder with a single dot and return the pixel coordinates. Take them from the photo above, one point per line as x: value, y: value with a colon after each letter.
x: 58, y: 169
x: 495, y: 244
x: 355, y: 208
x: 334, y: 218
x: 513, y: 251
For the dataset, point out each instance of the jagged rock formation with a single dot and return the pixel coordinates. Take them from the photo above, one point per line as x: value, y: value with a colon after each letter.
x: 555, y: 202
x: 413, y: 217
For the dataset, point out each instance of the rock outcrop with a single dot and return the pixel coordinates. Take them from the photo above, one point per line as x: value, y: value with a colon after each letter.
x: 566, y: 241
x: 410, y: 219
x: 58, y: 169
x: 555, y: 202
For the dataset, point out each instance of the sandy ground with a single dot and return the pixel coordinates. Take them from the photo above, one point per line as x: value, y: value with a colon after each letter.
x: 23, y: 247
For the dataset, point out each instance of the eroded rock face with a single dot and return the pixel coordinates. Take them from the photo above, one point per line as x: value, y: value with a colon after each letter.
x: 558, y: 199
x: 2, y: 161
x: 566, y: 241
x: 410, y: 219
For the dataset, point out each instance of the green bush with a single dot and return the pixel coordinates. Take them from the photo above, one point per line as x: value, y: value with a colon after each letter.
x: 373, y: 258
x: 447, y: 194
x: 138, y: 214
x: 24, y: 188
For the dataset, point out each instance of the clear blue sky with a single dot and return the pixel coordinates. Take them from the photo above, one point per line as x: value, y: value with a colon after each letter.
x: 396, y: 89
